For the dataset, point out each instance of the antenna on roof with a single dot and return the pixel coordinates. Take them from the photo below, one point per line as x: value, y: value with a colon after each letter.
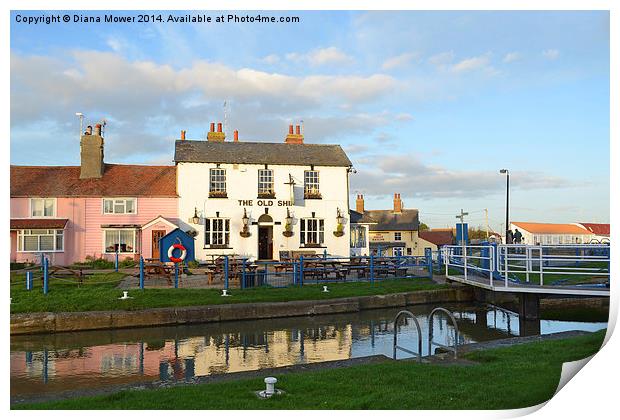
x: 104, y: 122
x: 226, y: 118
x: 81, y: 117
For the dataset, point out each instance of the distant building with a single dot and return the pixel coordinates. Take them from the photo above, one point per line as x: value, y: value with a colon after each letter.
x: 436, y: 238
x: 601, y: 232
x: 393, y: 232
x: 361, y: 224
x: 552, y: 233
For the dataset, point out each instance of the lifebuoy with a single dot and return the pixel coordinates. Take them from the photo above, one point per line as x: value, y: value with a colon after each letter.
x: 181, y: 257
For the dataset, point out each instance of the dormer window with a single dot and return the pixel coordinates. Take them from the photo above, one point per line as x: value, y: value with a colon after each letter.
x: 42, y: 207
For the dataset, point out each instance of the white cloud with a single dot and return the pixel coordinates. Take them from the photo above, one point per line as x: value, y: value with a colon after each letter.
x: 321, y: 56
x: 441, y: 59
x: 472, y: 63
x: 511, y: 56
x: 398, y: 61
x: 413, y: 177
x: 551, y: 54
x: 403, y: 116
x: 271, y: 59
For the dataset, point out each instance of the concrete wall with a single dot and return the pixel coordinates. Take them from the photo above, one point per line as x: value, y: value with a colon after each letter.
x: 242, y: 186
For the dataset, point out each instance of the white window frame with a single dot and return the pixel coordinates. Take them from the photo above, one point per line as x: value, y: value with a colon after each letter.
x: 398, y: 236
x: 114, y: 203
x: 265, y: 181
x: 311, y: 182
x: 55, y: 208
x: 400, y: 252
x: 219, y: 237
x: 135, y: 240
x: 316, y: 231
x: 55, y: 233
x: 216, y: 185
x: 358, y: 236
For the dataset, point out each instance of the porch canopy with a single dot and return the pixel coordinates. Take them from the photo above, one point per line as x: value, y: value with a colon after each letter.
x: 43, y: 223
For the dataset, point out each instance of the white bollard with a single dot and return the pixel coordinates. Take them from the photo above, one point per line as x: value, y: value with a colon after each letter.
x: 270, y: 382
x: 325, y: 289
x: 125, y: 295
x: 225, y: 293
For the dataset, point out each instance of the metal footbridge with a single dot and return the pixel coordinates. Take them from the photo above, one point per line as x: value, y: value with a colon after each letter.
x: 572, y: 270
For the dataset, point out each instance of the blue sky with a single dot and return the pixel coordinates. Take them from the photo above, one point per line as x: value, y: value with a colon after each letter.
x: 428, y: 104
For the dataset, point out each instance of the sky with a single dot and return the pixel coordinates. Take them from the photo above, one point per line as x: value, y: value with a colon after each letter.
x: 426, y: 104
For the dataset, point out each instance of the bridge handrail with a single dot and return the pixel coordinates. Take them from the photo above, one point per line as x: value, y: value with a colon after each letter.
x: 417, y: 325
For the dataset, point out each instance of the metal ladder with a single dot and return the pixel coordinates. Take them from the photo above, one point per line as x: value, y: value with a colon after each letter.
x: 401, y: 314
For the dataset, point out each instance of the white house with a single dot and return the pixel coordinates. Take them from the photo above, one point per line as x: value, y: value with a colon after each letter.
x: 551, y: 233
x: 263, y: 200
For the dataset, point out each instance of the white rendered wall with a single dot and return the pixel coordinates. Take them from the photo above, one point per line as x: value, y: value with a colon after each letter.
x: 242, y: 184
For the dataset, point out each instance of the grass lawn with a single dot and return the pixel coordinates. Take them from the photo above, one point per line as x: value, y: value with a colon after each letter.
x: 100, y: 293
x: 511, y: 377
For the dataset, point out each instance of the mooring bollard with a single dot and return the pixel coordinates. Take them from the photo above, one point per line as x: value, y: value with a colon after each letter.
x: 141, y: 273
x: 28, y: 280
x: 45, y: 276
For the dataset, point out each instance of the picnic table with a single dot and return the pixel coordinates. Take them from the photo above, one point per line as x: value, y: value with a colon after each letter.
x: 155, y: 268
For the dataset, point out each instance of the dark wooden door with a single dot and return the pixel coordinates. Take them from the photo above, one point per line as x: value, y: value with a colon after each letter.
x: 265, y: 250
x: 156, y: 236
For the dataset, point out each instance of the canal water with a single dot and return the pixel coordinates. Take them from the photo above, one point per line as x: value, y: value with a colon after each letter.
x: 88, y: 360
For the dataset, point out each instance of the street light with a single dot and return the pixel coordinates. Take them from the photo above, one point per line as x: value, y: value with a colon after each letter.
x: 505, y: 171
x: 195, y: 219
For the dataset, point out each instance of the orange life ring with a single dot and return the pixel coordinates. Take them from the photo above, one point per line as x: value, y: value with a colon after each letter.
x: 181, y: 257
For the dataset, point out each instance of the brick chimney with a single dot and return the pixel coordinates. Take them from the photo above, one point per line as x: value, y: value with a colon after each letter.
x: 218, y: 135
x: 294, y: 138
x: 91, y: 153
x: 398, y: 203
x: 359, y: 204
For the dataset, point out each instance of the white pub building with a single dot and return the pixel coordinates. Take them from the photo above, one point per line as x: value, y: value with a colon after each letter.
x: 263, y: 200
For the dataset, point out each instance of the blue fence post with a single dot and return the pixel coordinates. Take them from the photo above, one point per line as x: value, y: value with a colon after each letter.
x: 176, y: 275
x: 301, y: 270
x: 141, y: 272
x: 45, y: 276
x: 28, y: 280
x: 294, y: 273
x: 372, y: 270
x: 226, y: 272
x: 116, y: 261
x: 428, y: 253
x: 243, y: 274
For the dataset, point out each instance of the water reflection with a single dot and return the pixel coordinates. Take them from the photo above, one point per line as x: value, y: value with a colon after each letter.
x: 52, y: 363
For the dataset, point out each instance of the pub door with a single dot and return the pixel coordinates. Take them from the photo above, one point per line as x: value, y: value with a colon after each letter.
x: 265, y: 242
x: 156, y: 235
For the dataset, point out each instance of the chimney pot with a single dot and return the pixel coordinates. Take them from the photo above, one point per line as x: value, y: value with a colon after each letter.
x: 89, y: 130
x: 182, y: 134
x: 290, y: 129
x: 219, y: 127
x: 236, y: 135
x: 212, y: 129
x: 297, y: 130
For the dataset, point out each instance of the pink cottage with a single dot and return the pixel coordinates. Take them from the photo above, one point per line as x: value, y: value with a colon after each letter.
x: 95, y: 209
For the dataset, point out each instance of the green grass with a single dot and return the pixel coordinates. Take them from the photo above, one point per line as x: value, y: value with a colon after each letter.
x: 504, y: 378
x: 65, y: 297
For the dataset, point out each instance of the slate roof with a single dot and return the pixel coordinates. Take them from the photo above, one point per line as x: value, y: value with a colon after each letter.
x: 117, y: 181
x: 260, y: 153
x: 388, y: 220
x: 438, y: 237
x: 355, y: 217
x: 45, y: 223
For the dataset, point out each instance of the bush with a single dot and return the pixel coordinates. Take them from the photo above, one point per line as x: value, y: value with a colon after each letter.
x: 193, y: 264
x: 21, y: 265
x: 127, y: 262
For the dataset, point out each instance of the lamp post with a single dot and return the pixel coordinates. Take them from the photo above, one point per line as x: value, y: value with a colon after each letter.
x: 505, y: 171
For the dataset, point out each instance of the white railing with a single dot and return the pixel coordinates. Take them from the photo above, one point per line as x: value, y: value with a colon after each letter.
x: 526, y: 262
x: 476, y: 260
x: 529, y: 264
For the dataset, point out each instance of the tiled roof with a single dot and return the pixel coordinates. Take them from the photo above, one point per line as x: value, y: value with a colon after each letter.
x: 551, y: 228
x: 388, y: 220
x: 117, y: 181
x: 356, y: 217
x: 43, y: 223
x: 597, y: 228
x: 260, y: 153
x: 437, y: 237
